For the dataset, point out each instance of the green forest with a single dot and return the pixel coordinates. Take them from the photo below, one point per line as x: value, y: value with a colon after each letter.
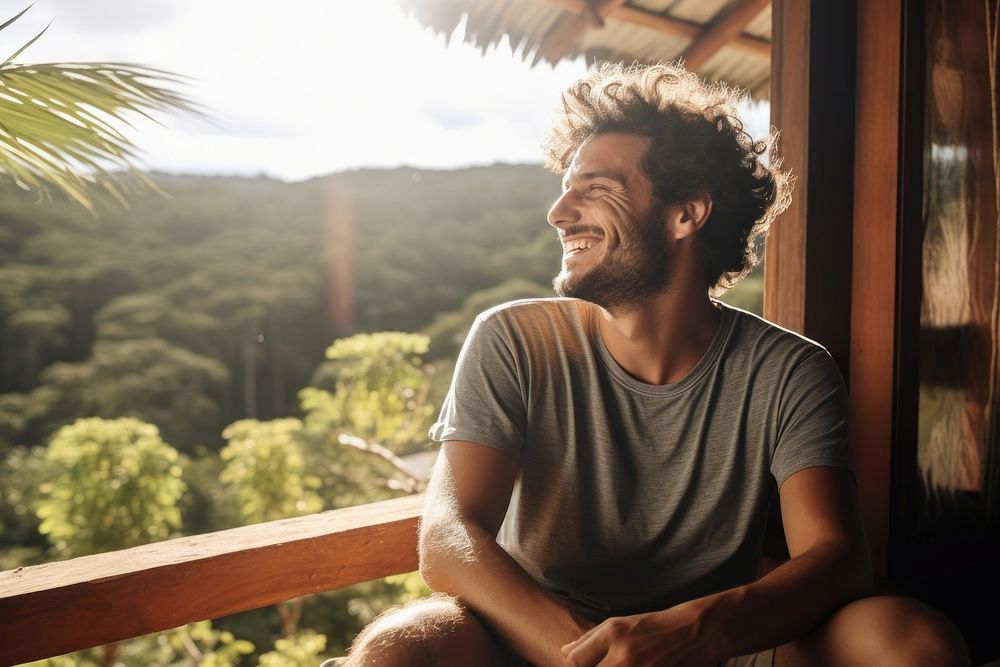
x: 235, y: 350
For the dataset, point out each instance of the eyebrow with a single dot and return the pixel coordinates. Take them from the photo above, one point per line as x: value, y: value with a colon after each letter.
x: 593, y: 175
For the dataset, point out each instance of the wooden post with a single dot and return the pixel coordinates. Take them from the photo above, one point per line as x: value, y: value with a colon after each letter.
x: 784, y: 275
x: 881, y: 251
x: 808, y: 254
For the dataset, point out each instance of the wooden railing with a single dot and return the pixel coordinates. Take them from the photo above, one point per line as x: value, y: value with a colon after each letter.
x: 52, y: 609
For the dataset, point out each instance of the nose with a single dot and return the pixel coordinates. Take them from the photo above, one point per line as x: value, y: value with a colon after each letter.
x: 563, y: 210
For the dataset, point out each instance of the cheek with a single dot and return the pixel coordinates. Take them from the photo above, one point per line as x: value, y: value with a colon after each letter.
x: 619, y: 220
x: 615, y: 207
x: 626, y: 233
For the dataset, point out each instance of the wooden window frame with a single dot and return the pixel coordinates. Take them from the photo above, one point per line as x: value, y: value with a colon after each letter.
x: 842, y: 264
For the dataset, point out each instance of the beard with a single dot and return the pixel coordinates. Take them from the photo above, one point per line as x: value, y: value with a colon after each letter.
x: 628, y: 274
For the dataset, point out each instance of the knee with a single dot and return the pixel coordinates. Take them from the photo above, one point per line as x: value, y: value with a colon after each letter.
x: 933, y: 638
x: 419, y: 633
x: 894, y: 630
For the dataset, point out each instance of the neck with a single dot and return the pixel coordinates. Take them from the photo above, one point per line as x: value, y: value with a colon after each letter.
x: 660, y: 341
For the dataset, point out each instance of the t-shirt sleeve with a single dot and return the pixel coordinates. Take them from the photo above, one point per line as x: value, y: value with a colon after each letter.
x: 812, y: 419
x: 485, y: 404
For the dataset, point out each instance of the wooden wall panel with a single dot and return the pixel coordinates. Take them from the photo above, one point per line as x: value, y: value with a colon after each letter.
x: 874, y: 281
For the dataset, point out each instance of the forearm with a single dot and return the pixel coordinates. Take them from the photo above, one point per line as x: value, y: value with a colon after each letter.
x: 463, y: 560
x: 787, y: 603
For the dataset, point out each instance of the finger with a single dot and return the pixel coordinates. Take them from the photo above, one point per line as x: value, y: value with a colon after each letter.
x: 588, y: 651
x: 590, y: 633
x: 569, y: 647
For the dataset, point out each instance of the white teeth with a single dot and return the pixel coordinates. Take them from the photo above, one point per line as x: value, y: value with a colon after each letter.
x: 580, y: 244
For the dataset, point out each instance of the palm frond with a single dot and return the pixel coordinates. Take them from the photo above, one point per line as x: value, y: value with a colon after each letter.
x: 16, y: 16
x: 61, y: 123
x: 29, y: 43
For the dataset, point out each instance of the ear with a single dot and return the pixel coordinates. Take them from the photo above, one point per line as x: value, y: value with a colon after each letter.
x: 691, y: 216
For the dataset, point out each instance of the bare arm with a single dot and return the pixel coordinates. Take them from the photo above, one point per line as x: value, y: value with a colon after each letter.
x: 466, y: 503
x: 829, y: 567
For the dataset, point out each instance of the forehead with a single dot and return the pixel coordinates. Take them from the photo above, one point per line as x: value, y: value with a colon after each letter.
x: 616, y: 153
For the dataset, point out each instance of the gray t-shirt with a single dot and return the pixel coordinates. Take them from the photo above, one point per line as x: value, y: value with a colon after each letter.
x: 633, y: 497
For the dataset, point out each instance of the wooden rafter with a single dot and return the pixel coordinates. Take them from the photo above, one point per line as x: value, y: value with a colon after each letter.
x: 559, y: 40
x: 593, y: 16
x: 721, y: 31
x: 668, y: 25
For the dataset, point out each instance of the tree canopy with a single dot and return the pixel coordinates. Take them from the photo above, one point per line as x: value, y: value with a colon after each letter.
x: 111, y: 484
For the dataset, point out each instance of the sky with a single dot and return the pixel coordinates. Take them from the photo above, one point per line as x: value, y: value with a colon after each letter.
x: 301, y: 88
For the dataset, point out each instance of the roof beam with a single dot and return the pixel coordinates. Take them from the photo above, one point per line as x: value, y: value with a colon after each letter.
x: 668, y: 25
x: 594, y: 17
x: 721, y: 31
x: 559, y: 40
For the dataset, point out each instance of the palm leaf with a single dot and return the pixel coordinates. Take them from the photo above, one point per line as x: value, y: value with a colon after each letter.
x: 60, y: 123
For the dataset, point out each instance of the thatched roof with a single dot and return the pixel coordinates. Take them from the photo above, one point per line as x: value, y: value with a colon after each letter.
x: 728, y: 40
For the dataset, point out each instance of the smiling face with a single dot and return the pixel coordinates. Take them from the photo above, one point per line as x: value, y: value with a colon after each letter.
x: 613, y: 231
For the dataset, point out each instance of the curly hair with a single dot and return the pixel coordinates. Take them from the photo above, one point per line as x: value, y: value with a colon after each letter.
x: 698, y: 145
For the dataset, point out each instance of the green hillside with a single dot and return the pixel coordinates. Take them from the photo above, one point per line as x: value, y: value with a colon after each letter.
x: 231, y: 288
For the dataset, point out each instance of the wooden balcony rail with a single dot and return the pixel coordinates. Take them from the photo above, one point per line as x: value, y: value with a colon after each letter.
x: 52, y: 609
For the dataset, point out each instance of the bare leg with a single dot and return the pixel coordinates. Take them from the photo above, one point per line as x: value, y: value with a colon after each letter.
x: 885, y: 630
x: 434, y: 631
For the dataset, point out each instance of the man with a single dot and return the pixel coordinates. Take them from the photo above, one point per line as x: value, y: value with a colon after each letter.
x: 609, y: 458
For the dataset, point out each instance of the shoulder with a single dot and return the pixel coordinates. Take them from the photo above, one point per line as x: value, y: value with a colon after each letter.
x: 759, y: 338
x: 772, y: 356
x: 534, y: 312
x: 536, y: 328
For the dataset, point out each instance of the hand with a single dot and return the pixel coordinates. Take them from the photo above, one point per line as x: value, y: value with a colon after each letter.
x: 675, y: 636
